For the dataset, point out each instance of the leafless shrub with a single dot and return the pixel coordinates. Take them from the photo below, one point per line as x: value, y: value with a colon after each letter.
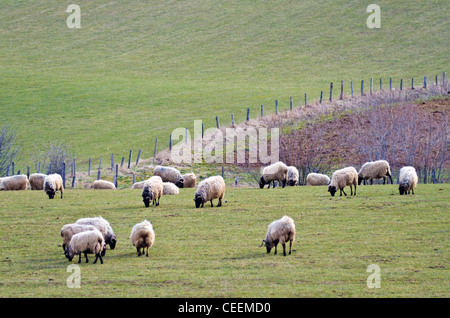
x: 53, y: 156
x: 8, y: 148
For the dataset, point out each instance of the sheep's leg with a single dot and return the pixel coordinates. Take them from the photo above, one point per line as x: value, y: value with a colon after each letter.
x: 275, y: 249
x: 412, y: 191
x: 79, y: 259
x: 351, y: 190
x: 355, y: 189
x: 342, y: 191
x: 85, y: 255
x: 147, y: 252
x: 212, y: 204
x: 157, y: 204
x: 290, y: 247
x: 97, y: 256
x: 284, y: 249
x: 220, y: 202
x: 139, y: 251
x: 371, y: 181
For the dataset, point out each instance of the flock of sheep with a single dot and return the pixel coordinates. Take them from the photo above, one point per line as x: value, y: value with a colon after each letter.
x: 91, y: 235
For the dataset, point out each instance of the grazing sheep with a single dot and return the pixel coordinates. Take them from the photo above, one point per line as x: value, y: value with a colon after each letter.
x: 317, y: 179
x: 280, y: 231
x: 14, y: 183
x: 374, y: 170
x: 169, y: 174
x: 37, y: 181
x: 342, y: 178
x: 292, y: 178
x: 142, y: 236
x: 53, y: 183
x: 104, y: 227
x: 89, y: 242
x: 169, y: 188
x: 69, y: 230
x: 138, y: 185
x: 407, y: 180
x: 103, y: 185
x: 277, y: 171
x: 190, y: 180
x: 152, y: 191
x: 209, y: 189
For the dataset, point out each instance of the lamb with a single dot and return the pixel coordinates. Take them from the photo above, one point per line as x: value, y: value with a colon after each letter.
x: 103, y: 185
x: 209, y: 189
x: 14, y: 183
x: 89, y: 242
x: 142, y: 236
x: 277, y: 171
x: 69, y: 230
x: 374, y: 170
x: 190, y: 180
x: 342, y: 178
x: 280, y: 231
x: 169, y: 174
x: 317, y: 179
x: 169, y: 188
x: 53, y: 183
x: 152, y: 191
x: 407, y: 180
x: 37, y: 181
x: 292, y: 178
x: 103, y: 226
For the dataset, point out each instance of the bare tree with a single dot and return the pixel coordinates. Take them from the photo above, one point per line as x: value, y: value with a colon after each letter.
x: 53, y: 155
x: 8, y: 148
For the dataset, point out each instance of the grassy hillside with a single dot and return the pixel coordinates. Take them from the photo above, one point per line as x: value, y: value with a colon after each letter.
x: 213, y: 252
x: 136, y: 70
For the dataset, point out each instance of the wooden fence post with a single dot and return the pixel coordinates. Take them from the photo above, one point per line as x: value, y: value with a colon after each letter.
x: 117, y: 176
x: 331, y: 90
x: 305, y: 100
x: 262, y: 113
x: 342, y: 90
x: 362, y: 87
x: 129, y: 159
x: 290, y: 103
x: 390, y: 83
x: 276, y: 106
x: 381, y: 84
x: 121, y: 163
x: 425, y: 82
x: 112, y: 162
x: 321, y: 95
x: 401, y: 84
x: 134, y: 178
x: 412, y: 83
x: 232, y: 120
x: 371, y: 85
x: 138, y: 157
x: 64, y: 174
x: 98, y: 174
x: 39, y: 167
x: 156, y: 145
x: 12, y: 168
x: 248, y: 114
x: 28, y: 172
x: 170, y: 142
x: 89, y: 168
x: 217, y: 122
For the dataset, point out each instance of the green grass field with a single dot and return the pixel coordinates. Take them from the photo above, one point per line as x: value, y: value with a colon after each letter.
x: 137, y: 70
x: 213, y: 252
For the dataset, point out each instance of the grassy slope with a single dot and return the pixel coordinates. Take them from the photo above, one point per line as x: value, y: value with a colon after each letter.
x: 137, y: 70
x: 214, y: 252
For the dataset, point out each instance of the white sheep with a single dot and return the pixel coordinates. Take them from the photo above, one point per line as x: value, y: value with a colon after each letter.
x: 53, y: 183
x: 152, y: 191
x: 209, y: 189
x: 407, y: 180
x: 342, y: 178
x: 69, y: 230
x: 317, y: 179
x: 138, y: 185
x: 103, y: 185
x: 169, y: 174
x: 275, y: 172
x: 280, y: 231
x: 89, y: 242
x: 14, y: 183
x: 292, y: 178
x: 169, y: 188
x: 190, y: 180
x: 37, y: 181
x: 103, y: 226
x: 374, y: 170
x: 142, y: 236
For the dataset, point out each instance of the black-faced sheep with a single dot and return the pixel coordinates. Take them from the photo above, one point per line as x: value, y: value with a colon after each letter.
x: 280, y: 231
x: 317, y: 179
x: 374, y: 170
x: 37, y: 181
x: 69, y: 230
x: 89, y: 242
x: 169, y: 174
x: 275, y: 172
x: 103, y: 185
x: 342, y: 178
x: 152, y: 191
x: 142, y: 236
x: 104, y: 227
x: 407, y: 180
x: 14, y: 183
x: 190, y: 180
x: 292, y: 178
x: 53, y: 183
x: 170, y: 189
x: 209, y: 189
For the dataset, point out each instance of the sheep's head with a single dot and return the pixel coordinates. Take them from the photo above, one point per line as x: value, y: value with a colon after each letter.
x: 180, y: 182
x: 292, y: 183
x: 262, y: 182
x: 332, y: 190
x: 112, y: 243
x: 403, y: 188
x: 68, y: 254
x: 147, y: 196
x: 50, y: 192
x: 268, y: 244
x: 198, y: 200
